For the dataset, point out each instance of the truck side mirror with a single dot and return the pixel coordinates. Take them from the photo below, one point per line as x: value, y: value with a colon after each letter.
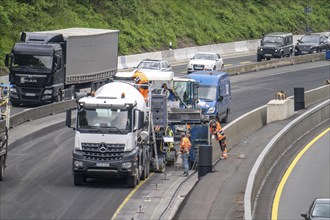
x: 68, y: 118
x: 7, y: 60
x: 220, y: 98
x: 58, y: 62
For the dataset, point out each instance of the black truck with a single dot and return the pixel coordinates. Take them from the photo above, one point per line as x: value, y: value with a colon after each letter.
x: 51, y: 66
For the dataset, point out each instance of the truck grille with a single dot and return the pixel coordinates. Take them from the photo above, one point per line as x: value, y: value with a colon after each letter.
x: 102, y: 152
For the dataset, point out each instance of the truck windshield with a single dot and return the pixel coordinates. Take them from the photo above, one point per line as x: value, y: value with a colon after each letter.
x: 183, y: 90
x: 207, y: 92
x: 105, y: 120
x: 32, y: 61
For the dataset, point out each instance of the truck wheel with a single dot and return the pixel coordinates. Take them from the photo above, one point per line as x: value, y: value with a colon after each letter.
x: 2, y: 167
x: 58, y: 98
x: 73, y: 92
x: 146, y: 171
x: 133, y: 181
x: 79, y: 179
x: 15, y: 104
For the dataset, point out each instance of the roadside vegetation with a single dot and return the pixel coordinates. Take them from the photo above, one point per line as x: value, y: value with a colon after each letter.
x: 149, y: 25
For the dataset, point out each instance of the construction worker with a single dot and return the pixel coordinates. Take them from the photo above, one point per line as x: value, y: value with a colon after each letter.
x: 185, y: 146
x: 218, y: 134
x: 142, y: 81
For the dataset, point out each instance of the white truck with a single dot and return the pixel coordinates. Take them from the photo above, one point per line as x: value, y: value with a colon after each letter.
x: 111, y: 135
x: 118, y: 134
x: 50, y: 66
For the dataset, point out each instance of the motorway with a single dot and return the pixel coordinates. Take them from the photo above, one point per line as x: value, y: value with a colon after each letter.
x: 301, y: 175
x: 38, y: 182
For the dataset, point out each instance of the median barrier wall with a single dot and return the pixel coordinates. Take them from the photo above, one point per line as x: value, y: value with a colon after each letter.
x: 277, y: 147
x: 41, y: 111
x: 274, y: 63
x: 184, y: 54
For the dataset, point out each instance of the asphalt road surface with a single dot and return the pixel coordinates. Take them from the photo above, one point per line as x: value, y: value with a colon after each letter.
x: 38, y: 182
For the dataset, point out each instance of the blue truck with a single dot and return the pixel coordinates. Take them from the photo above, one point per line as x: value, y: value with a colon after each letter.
x: 214, y: 94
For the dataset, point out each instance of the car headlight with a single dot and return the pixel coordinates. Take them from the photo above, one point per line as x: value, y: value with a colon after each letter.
x: 48, y: 91
x: 260, y: 49
x: 276, y: 50
x: 211, y: 110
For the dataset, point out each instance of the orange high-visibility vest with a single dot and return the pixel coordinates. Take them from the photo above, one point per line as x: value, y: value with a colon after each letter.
x: 217, y: 131
x: 185, y: 144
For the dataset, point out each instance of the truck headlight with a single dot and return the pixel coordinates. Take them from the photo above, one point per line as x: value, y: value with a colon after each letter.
x: 126, y: 165
x: 78, y: 163
x: 48, y: 92
x: 13, y: 90
x: 211, y: 110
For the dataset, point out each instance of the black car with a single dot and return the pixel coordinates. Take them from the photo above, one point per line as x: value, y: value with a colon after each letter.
x: 319, y: 209
x: 275, y: 45
x: 312, y: 43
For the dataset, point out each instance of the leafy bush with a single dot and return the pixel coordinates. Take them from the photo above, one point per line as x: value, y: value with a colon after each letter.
x: 149, y: 25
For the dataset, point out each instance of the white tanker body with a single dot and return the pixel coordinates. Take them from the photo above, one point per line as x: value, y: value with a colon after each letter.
x: 111, y: 136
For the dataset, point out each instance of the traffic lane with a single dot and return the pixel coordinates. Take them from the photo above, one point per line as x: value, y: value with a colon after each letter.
x: 256, y: 89
x: 39, y: 184
x: 309, y: 179
x: 263, y: 209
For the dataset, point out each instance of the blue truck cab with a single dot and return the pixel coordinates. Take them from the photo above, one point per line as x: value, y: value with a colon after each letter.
x: 214, y: 94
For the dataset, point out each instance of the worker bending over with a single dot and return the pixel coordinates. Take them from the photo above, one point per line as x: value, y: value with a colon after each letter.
x: 218, y: 134
x: 142, y: 82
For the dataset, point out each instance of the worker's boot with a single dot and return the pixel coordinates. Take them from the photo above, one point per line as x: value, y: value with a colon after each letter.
x: 224, y: 153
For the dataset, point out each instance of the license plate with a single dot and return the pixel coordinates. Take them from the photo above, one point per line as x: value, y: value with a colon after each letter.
x: 102, y: 164
x: 30, y: 94
x: 268, y: 55
x: 198, y: 67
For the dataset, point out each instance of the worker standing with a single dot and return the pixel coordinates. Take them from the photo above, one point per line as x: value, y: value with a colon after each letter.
x: 142, y: 81
x: 217, y: 133
x: 185, y: 146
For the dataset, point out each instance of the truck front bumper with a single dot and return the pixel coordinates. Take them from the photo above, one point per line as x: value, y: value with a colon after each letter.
x: 104, y: 169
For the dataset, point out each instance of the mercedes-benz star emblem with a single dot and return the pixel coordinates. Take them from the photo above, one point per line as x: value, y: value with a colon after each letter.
x: 102, y: 147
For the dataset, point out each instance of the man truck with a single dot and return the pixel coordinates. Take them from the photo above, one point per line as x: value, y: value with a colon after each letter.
x: 51, y: 66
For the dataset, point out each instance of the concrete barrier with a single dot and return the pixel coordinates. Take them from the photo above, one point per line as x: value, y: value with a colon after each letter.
x: 184, y: 54
x: 275, y: 149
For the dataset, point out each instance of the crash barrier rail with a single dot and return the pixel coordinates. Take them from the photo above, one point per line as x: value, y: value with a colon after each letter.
x: 277, y: 147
